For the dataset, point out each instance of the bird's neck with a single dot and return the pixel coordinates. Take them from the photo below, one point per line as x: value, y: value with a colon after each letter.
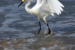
x: 27, y: 8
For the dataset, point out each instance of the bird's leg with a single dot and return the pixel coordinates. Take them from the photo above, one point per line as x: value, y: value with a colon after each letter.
x: 40, y: 26
x: 44, y: 18
x: 49, y: 32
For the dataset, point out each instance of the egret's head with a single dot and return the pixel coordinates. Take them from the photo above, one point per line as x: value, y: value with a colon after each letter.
x: 22, y: 3
x: 23, y: 0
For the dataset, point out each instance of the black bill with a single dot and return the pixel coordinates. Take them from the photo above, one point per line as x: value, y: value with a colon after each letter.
x: 20, y: 4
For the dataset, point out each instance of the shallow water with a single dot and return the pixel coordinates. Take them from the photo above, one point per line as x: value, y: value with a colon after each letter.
x: 18, y: 28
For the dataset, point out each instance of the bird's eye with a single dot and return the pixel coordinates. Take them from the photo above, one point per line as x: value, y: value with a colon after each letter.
x: 23, y: 0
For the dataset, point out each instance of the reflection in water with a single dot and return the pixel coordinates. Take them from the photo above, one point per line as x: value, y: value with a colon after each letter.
x: 18, y: 30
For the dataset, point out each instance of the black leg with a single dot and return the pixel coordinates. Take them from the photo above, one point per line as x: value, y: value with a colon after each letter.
x: 40, y: 26
x: 49, y: 32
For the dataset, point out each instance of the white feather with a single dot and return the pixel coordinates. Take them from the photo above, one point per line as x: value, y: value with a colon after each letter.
x: 55, y: 6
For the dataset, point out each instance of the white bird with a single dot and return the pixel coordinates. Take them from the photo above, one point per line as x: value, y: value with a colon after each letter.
x: 43, y: 9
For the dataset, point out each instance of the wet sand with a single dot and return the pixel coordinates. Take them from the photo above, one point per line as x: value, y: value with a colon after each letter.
x: 40, y: 42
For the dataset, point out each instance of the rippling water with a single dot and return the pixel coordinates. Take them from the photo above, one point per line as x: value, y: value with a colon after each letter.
x: 17, y: 23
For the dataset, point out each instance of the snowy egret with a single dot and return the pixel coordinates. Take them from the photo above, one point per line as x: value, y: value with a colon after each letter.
x: 43, y: 9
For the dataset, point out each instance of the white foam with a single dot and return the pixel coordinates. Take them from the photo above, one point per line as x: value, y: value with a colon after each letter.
x: 43, y: 48
x: 8, y: 49
x: 31, y: 40
x: 55, y: 47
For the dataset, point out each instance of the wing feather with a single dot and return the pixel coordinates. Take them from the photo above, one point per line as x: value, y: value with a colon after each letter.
x: 55, y: 6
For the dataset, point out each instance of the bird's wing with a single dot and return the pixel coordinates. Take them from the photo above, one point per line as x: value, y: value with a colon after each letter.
x: 53, y: 6
x: 56, y: 6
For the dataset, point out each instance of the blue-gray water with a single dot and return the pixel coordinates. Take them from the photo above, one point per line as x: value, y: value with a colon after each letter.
x: 17, y: 23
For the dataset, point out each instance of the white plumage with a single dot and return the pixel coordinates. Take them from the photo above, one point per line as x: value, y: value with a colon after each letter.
x: 44, y: 8
x: 53, y: 6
